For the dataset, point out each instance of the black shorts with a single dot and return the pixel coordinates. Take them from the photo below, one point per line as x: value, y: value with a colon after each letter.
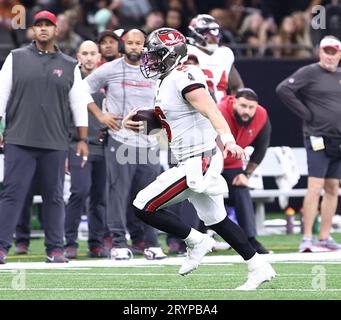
x: 320, y: 165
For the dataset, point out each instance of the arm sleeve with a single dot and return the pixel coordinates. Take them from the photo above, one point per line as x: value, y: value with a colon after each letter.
x: 288, y: 90
x: 79, y: 99
x: 261, y: 143
x: 6, y: 83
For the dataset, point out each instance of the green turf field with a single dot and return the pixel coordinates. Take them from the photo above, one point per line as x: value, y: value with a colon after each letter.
x: 209, y: 282
x: 216, y: 281
x: 276, y: 243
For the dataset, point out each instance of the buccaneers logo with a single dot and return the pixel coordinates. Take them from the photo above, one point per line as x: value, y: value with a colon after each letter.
x: 58, y: 72
x: 172, y: 38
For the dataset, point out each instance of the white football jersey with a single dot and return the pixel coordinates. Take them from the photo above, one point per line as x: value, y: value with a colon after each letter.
x: 216, y: 68
x: 189, y: 132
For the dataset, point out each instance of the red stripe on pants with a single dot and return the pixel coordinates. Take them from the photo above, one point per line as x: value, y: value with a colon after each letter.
x: 175, y: 190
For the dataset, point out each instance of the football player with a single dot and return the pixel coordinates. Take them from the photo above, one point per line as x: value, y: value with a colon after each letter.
x: 192, y: 122
x: 215, y: 60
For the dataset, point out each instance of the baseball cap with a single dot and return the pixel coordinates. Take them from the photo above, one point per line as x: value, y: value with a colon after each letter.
x: 330, y: 42
x: 109, y: 33
x: 45, y: 15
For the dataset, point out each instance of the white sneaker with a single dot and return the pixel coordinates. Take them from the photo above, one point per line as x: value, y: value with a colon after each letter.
x: 306, y: 245
x: 328, y: 244
x: 258, y: 276
x: 121, y: 254
x: 195, y: 253
x: 154, y: 253
x: 220, y: 245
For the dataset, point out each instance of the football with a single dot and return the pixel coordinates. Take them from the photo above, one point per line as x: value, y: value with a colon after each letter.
x: 150, y: 119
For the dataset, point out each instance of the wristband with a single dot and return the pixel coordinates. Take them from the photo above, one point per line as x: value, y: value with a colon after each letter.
x: 227, y: 137
x: 246, y: 174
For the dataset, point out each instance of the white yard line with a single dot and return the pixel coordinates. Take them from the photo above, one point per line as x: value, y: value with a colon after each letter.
x: 132, y: 274
x: 317, y: 257
x: 164, y: 289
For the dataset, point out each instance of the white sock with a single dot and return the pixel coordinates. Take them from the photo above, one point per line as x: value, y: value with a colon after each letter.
x: 255, y: 262
x: 194, y: 237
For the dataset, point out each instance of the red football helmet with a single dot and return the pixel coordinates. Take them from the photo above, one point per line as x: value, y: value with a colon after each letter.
x: 164, y: 49
x: 205, y: 32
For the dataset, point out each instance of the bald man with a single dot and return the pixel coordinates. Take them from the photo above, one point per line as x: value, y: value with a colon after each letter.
x: 88, y: 57
x: 90, y: 180
x: 132, y: 158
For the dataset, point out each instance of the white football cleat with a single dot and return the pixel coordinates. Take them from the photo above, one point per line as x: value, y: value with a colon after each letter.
x: 154, y: 253
x: 221, y: 245
x: 195, y: 253
x: 121, y: 254
x: 258, y: 276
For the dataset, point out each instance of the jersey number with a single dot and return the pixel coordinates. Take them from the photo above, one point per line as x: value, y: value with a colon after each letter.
x: 159, y: 113
x: 221, y: 86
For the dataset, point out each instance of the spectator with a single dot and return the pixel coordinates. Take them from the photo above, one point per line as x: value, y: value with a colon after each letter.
x: 58, y: 7
x: 254, y: 33
x: 280, y: 9
x: 228, y: 34
x: 236, y: 13
x: 313, y: 93
x: 302, y: 25
x: 154, y: 20
x: 131, y: 13
x: 39, y: 86
x: 67, y: 40
x: 250, y: 125
x: 174, y: 19
x: 187, y: 8
x: 288, y: 42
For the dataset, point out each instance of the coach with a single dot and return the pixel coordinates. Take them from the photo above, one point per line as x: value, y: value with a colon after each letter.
x: 313, y: 93
x: 40, y: 86
x: 249, y: 125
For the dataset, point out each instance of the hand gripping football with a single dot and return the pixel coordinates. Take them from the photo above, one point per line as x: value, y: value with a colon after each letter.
x: 150, y: 119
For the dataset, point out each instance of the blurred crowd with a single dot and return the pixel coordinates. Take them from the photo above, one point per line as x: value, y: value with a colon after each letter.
x: 251, y: 28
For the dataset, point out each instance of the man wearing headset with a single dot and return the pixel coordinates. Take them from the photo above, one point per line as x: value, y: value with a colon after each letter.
x: 132, y: 159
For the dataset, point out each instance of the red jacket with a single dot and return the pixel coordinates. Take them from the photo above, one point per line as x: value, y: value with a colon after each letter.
x: 244, y: 135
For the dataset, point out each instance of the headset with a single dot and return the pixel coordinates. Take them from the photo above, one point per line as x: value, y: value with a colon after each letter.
x: 121, y: 47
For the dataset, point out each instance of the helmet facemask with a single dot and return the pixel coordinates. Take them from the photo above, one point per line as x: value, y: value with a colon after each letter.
x: 153, y: 62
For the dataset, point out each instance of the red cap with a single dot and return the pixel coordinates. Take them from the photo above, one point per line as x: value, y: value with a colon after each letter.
x: 328, y: 42
x: 45, y: 15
